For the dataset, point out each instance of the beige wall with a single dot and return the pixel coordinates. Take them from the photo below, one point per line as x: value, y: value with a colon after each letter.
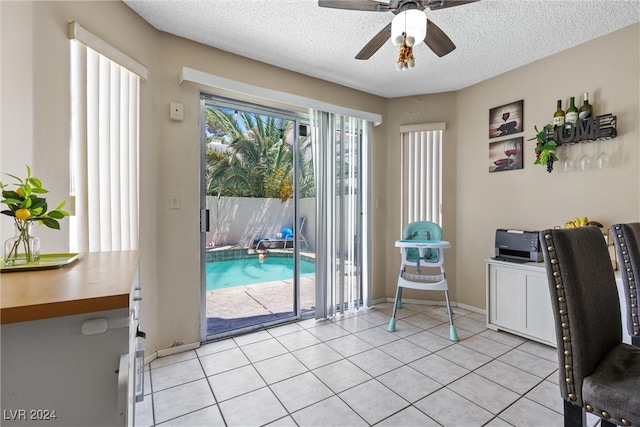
x: 35, y: 126
x: 531, y: 198
x: 477, y: 202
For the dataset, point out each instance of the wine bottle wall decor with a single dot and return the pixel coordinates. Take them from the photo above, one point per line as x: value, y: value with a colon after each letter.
x: 506, y: 121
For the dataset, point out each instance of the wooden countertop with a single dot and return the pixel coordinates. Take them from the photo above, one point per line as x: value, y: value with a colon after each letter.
x: 97, y: 281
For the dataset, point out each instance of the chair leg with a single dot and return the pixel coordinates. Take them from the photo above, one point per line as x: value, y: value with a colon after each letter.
x: 574, y: 416
x: 392, y: 322
x: 453, y: 332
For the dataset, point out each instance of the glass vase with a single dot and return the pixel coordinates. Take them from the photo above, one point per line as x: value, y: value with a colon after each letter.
x: 23, y: 248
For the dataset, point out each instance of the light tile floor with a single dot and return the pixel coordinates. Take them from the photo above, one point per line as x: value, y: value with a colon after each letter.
x: 352, y: 372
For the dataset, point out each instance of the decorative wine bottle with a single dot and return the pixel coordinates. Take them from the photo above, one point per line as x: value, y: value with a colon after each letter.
x: 558, y: 116
x: 586, y: 110
x: 571, y: 116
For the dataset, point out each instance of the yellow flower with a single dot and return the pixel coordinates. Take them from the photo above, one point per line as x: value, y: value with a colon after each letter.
x: 23, y: 213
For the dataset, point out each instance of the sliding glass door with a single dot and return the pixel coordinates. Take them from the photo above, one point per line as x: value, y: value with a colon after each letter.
x: 284, y: 219
x: 258, y: 213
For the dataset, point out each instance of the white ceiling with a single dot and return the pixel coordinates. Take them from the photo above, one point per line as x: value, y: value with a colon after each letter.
x: 492, y: 37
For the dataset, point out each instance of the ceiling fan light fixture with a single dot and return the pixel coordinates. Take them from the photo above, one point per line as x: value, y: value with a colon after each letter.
x: 406, y: 28
x: 413, y: 22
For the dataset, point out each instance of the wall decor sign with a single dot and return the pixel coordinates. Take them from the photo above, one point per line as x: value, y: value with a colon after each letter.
x: 506, y: 155
x: 506, y: 119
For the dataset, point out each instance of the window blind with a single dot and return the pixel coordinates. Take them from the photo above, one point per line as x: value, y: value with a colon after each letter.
x: 341, y: 156
x: 421, y: 171
x: 104, y: 145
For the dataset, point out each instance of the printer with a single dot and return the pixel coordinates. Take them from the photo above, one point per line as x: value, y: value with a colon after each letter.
x: 517, y: 246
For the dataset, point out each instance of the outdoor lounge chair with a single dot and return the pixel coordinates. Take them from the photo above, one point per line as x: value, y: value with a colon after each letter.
x: 286, y: 237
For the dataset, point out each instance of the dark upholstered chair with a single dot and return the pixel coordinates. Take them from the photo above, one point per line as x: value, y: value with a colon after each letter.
x: 626, y: 238
x: 598, y: 372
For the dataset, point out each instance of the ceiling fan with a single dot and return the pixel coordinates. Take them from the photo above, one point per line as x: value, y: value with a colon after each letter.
x: 436, y: 39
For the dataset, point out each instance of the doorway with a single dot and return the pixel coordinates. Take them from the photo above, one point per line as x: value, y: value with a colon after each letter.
x: 258, y: 215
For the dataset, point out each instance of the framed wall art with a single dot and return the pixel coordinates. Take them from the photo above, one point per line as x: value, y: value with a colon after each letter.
x: 506, y: 119
x: 506, y: 155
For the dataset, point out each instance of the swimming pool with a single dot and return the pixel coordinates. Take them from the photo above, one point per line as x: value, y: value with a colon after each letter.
x: 247, y: 271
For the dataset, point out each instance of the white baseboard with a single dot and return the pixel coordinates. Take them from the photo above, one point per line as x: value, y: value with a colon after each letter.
x: 169, y: 351
x: 178, y: 349
x: 472, y: 308
x: 438, y: 303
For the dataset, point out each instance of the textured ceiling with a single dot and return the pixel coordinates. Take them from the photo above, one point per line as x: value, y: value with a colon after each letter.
x: 492, y: 37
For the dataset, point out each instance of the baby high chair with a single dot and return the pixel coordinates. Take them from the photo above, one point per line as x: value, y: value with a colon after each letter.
x: 422, y: 247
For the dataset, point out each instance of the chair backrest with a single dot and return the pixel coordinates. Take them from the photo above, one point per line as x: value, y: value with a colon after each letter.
x: 422, y: 230
x: 585, y: 302
x: 626, y: 238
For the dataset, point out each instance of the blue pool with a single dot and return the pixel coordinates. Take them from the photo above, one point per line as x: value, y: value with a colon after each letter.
x: 226, y: 274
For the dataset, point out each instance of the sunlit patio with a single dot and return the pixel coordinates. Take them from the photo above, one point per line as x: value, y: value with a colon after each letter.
x: 247, y: 305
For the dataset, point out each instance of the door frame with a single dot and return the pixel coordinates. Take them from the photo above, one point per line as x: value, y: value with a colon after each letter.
x: 298, y: 118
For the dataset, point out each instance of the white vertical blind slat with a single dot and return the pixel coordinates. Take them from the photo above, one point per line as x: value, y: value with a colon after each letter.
x: 421, y: 191
x: 105, y: 100
x: 337, y: 143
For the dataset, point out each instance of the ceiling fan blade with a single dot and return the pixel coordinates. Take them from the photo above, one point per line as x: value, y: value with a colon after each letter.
x: 443, y: 4
x: 369, y: 5
x: 437, y: 40
x: 375, y: 43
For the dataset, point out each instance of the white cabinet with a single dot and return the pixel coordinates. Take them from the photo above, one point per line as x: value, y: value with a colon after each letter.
x: 69, y: 343
x: 518, y: 300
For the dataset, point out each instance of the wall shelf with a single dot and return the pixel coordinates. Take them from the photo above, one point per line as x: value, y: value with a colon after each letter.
x: 597, y: 128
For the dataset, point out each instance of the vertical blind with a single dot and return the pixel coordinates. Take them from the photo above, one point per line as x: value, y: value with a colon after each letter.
x: 421, y: 169
x: 104, y: 145
x: 340, y: 152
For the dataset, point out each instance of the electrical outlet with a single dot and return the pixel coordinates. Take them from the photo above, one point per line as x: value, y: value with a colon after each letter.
x: 174, y: 201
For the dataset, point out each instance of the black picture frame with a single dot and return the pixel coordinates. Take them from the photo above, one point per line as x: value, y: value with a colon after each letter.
x: 506, y: 155
x: 507, y: 119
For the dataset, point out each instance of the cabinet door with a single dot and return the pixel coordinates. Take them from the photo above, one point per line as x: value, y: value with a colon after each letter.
x: 539, y: 311
x: 507, y: 298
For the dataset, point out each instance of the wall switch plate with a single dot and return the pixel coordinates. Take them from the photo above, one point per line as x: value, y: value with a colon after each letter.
x: 174, y: 201
x: 176, y: 111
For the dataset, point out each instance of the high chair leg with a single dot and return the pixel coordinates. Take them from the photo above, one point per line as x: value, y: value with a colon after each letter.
x: 392, y: 322
x: 453, y: 332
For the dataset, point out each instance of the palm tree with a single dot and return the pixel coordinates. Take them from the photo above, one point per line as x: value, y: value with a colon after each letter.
x: 258, y: 161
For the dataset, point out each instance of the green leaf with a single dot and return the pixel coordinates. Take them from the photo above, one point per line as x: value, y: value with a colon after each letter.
x: 39, y: 190
x: 12, y: 201
x: 51, y: 223
x: 60, y: 206
x: 28, y: 171
x: 27, y: 203
x: 38, y: 202
x: 35, y: 182
x: 15, y: 177
x: 56, y: 214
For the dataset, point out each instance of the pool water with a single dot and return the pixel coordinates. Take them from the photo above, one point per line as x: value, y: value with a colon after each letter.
x: 227, y: 274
